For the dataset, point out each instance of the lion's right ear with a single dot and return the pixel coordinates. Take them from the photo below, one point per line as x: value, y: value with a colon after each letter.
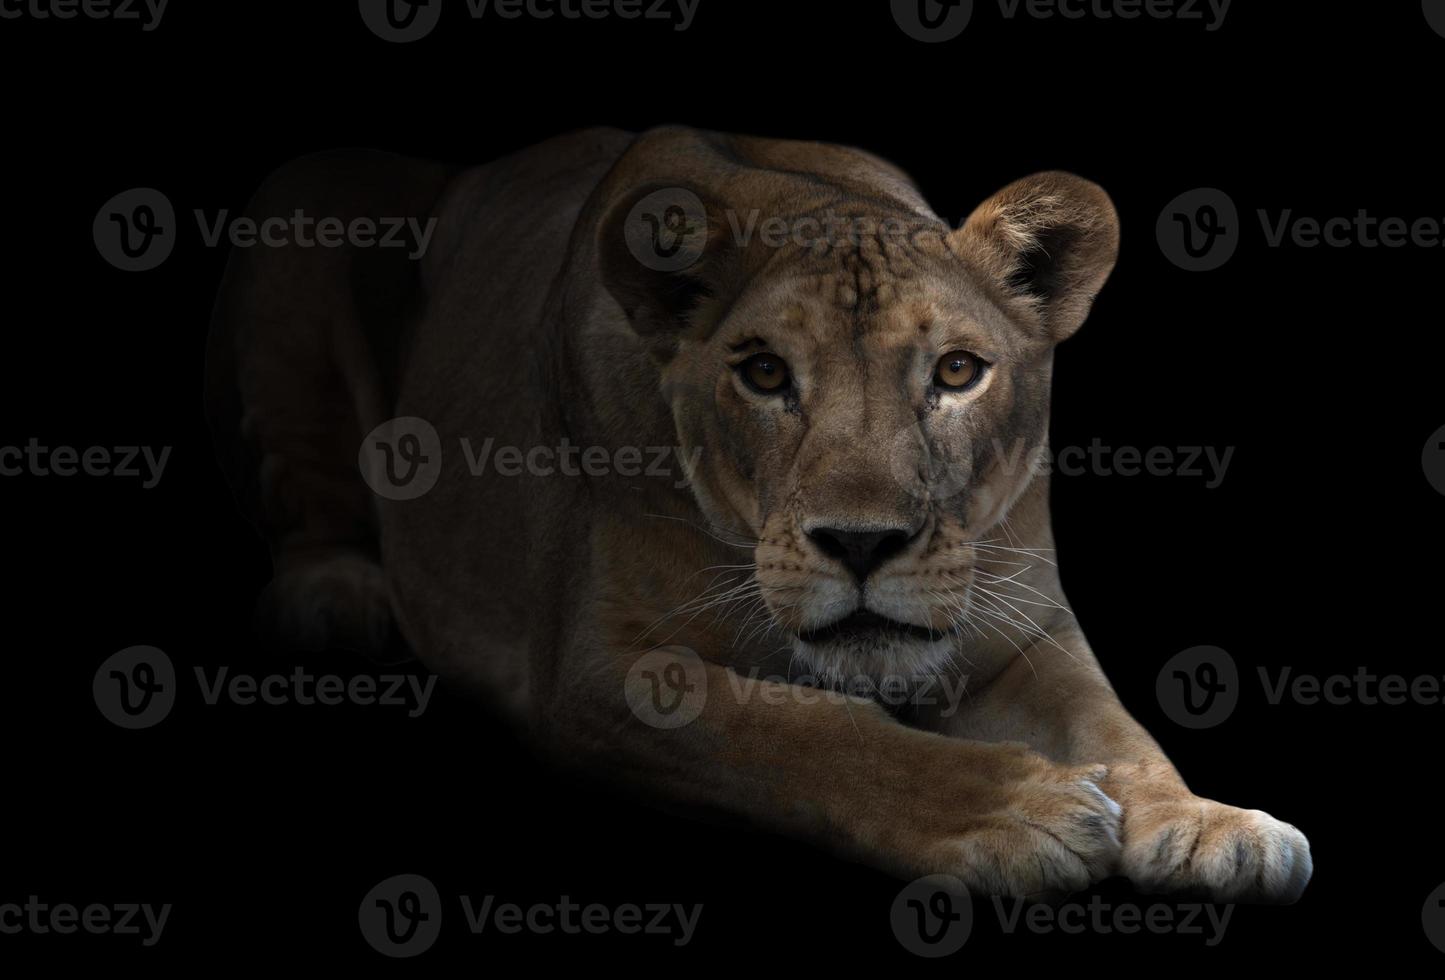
x: 1050, y: 241
x: 663, y: 252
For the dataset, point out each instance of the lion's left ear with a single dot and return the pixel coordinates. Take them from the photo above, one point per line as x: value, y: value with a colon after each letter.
x: 662, y: 251
x: 1050, y: 241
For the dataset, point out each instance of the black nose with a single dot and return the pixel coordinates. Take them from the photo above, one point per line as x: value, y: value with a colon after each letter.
x: 861, y: 551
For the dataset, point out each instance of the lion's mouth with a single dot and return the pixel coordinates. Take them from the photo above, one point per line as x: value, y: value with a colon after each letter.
x: 864, y: 625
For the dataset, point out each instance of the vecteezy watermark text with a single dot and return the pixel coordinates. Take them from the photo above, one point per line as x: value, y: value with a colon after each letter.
x: 1201, y: 687
x: 1200, y: 230
x: 402, y: 917
x: 401, y: 459
x: 668, y: 688
x: 119, y: 919
x: 826, y: 229
x: 404, y: 21
x: 147, y: 13
x: 950, y: 475
x: 304, y: 231
x: 136, y: 230
x: 567, y: 459
x: 1102, y: 918
x: 1210, y: 13
x: 137, y: 687
x: 144, y: 463
x: 934, y: 917
x: 935, y: 21
x: 572, y: 918
x: 1207, y: 463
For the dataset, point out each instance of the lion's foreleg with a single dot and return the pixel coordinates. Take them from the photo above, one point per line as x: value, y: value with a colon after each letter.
x: 1056, y: 699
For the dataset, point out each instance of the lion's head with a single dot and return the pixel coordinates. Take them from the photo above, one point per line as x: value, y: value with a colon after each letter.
x: 866, y: 389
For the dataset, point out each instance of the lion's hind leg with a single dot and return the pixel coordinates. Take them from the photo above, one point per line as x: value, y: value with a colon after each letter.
x: 300, y: 366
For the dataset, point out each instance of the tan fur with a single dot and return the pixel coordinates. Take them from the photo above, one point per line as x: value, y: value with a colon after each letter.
x: 531, y: 322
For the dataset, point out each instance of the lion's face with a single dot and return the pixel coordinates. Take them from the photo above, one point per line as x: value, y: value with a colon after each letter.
x: 867, y: 413
x: 867, y: 421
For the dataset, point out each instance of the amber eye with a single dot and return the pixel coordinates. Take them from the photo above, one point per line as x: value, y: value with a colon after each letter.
x: 957, y: 371
x: 765, y: 373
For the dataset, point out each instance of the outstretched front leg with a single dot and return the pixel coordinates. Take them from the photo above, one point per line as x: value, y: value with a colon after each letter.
x: 1058, y: 701
x: 838, y: 771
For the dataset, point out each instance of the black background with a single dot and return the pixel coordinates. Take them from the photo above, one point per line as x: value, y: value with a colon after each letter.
x: 266, y: 825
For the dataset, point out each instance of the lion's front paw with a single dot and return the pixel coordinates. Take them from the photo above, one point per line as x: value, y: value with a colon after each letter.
x: 1059, y: 833
x: 1199, y: 845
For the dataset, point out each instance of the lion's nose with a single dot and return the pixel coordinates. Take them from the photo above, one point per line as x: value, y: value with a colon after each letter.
x: 861, y: 551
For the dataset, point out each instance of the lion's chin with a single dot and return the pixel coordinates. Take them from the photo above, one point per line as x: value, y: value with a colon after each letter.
x: 869, y: 664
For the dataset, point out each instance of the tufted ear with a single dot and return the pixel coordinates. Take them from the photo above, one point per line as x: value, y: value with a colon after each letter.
x: 1050, y: 241
x: 665, y: 251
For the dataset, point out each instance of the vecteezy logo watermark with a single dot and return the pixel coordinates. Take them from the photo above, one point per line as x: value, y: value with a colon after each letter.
x: 404, y: 21
x: 137, y: 687
x: 401, y: 21
x: 1199, y: 230
x: 121, y: 919
x: 401, y: 459
x: 932, y: 916
x: 147, y: 13
x: 1198, y: 688
x: 667, y: 687
x: 402, y: 916
x: 125, y: 462
x: 137, y: 230
x: 1435, y: 15
x: 932, y: 21
x: 667, y: 230
x: 1432, y: 917
x: 1433, y: 460
x: 1102, y: 918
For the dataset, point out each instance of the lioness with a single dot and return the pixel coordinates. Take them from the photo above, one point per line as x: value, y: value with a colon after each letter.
x: 857, y: 403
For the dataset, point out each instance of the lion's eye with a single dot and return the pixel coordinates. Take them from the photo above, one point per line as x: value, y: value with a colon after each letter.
x: 958, y: 371
x: 765, y: 373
